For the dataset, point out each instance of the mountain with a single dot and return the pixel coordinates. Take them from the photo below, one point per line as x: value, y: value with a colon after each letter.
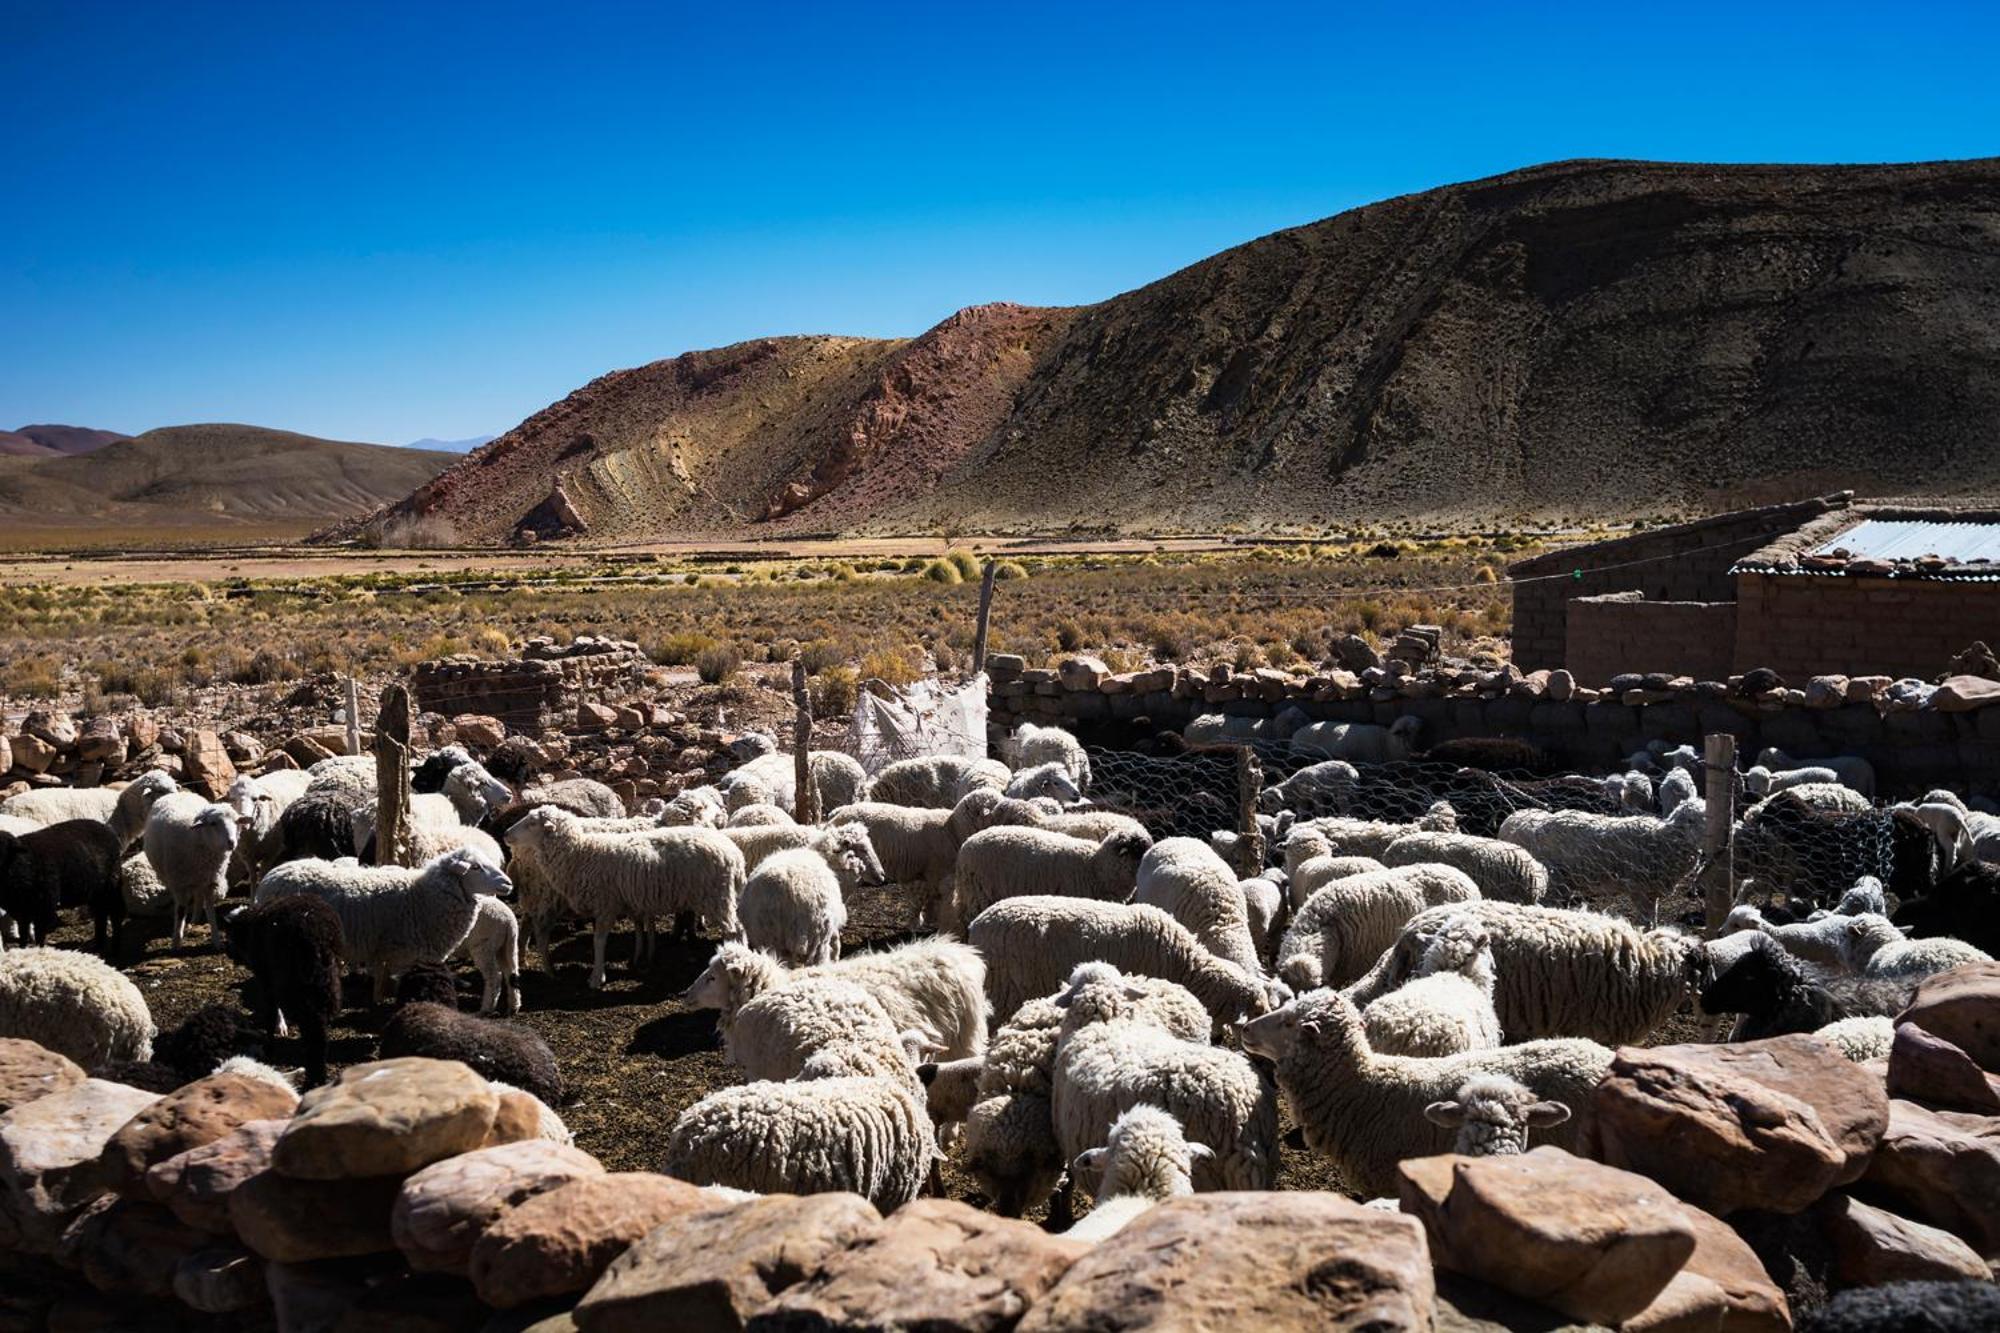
x: 450, y: 446
x: 70, y: 440
x: 197, y: 476
x: 13, y: 444
x: 1586, y: 339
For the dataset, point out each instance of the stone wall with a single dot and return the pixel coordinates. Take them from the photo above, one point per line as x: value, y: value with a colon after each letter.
x: 536, y: 691
x: 1607, y: 635
x: 1798, y: 624
x: 1952, y: 742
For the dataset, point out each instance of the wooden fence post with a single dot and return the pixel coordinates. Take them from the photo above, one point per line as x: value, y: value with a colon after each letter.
x: 985, y: 613
x: 1717, y: 843
x: 806, y: 802
x: 353, y: 716
x: 392, y: 775
x: 1250, y: 835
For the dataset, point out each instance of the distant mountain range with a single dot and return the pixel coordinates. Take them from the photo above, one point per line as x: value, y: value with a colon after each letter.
x: 451, y: 446
x: 55, y: 441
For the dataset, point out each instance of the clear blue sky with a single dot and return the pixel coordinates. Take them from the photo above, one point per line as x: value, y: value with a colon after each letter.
x: 384, y: 222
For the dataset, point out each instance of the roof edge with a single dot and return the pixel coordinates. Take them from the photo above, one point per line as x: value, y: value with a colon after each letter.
x: 1790, y: 512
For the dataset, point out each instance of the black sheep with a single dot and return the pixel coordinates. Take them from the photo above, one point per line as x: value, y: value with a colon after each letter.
x: 319, y: 824
x: 207, y: 1037
x: 512, y: 1054
x: 1971, y: 1306
x: 1775, y: 994
x: 292, y: 946
x: 1965, y: 905
x: 1494, y: 754
x: 427, y: 983
x: 68, y: 864
x: 429, y: 776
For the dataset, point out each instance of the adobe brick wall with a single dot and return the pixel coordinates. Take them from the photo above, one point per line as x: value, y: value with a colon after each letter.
x: 1803, y: 625
x: 1620, y: 632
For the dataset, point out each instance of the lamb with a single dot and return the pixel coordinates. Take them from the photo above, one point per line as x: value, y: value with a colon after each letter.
x: 1504, y: 871
x: 1361, y: 742
x: 73, y: 862
x: 494, y: 947
x: 392, y: 917
x: 760, y: 816
x: 320, y: 823
x: 1367, y: 1112
x: 1603, y: 856
x: 537, y: 895
x: 1823, y: 941
x: 1031, y: 746
x: 1492, y: 1115
x: 75, y: 1005
x: 1775, y: 993
x: 1146, y: 1157
x: 1446, y: 1008
x: 190, y: 842
x: 1031, y: 945
x: 1345, y: 926
x: 493, y: 1049
x: 1264, y: 901
x: 1558, y: 973
x: 1861, y: 1039
x: 1760, y: 781
x: 794, y: 904
x: 1850, y: 770
x: 1111, y: 1057
x: 1874, y: 947
x: 1187, y: 880
x: 637, y: 874
x: 934, y: 986
x: 1011, y: 861
x: 1329, y: 785
x: 293, y: 947
x: 123, y: 809
x: 853, y: 1120
x: 939, y: 780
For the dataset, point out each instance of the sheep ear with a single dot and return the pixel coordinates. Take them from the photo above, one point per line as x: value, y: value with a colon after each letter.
x: 1543, y: 1115
x: 1200, y: 1152
x: 1451, y: 1115
x: 927, y: 1073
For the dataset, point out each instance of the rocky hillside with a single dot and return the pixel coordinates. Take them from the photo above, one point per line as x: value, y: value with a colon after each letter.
x: 1595, y: 339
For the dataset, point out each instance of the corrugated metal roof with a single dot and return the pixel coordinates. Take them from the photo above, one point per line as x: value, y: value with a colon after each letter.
x: 1908, y: 539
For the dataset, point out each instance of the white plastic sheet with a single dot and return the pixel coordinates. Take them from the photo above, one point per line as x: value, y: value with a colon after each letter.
x: 927, y: 718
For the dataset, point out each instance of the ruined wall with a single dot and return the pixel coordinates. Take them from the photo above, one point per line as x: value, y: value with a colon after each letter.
x: 1612, y: 634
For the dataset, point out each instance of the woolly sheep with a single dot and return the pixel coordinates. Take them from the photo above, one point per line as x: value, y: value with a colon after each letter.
x: 1110, y: 1057
x: 1031, y: 945
x: 490, y: 1047
x: 1031, y: 746
x: 1329, y: 785
x: 538, y: 897
x: 189, y: 842
x: 940, y: 780
x: 1634, y: 792
x: 638, y: 874
x: 1264, y: 900
x: 1861, y: 1039
x: 475, y: 793
x: 1345, y: 926
x: 432, y: 829
x: 1849, y: 770
x: 695, y: 807
x: 550, y: 1124
x: 394, y: 916
x: 794, y: 903
x: 754, y: 816
x: 1864, y: 895
x: 1875, y: 947
x: 772, y: 779
x: 1596, y: 856
x: 123, y: 809
x: 1088, y: 824
x: 1822, y: 941
x: 775, y: 1032
x: 1146, y: 1158
x: 1760, y: 781
x: 293, y: 947
x: 580, y: 796
x: 1184, y: 878
x: 1826, y: 797
x: 1504, y: 871
x: 1044, y: 782
x: 1446, y: 1008
x: 1360, y: 742
x: 1366, y: 1111
x: 919, y: 845
x: 493, y: 946
x: 1776, y: 993
x: 1315, y: 873
x: 75, y: 1005
x: 74, y: 862
x: 1559, y: 973
x: 1012, y: 861
x: 1492, y: 1115
x: 1676, y: 789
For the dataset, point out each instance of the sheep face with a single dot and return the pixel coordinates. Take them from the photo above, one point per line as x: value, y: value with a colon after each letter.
x: 1493, y: 1116
x: 848, y: 850
x: 151, y: 786
x: 477, y: 789
x: 1051, y: 780
x: 475, y: 875
x: 535, y: 826
x: 700, y: 807
x: 1745, y: 983
x: 1273, y: 1035
x: 220, y: 827
x: 733, y: 977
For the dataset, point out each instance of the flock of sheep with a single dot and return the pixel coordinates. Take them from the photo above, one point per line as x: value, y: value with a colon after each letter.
x: 1082, y: 1005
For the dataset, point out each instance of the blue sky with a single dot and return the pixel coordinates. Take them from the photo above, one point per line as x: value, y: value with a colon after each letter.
x: 384, y: 222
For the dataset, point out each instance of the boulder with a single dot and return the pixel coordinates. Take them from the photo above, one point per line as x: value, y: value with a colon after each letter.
x: 49, y: 1150
x: 386, y: 1118
x: 479, y: 730
x: 1926, y: 1068
x: 559, y: 1242
x: 199, y: 1113
x: 1084, y: 673
x: 51, y: 725
x: 307, y: 750
x: 209, y: 767
x: 1269, y: 1261
x: 242, y: 748
x: 31, y: 754
x: 1723, y: 1286
x: 594, y: 716
x: 938, y: 1265
x: 1873, y: 1245
x: 1962, y: 694
x: 1943, y: 1167
x: 197, y: 1184
x: 444, y: 1208
x: 220, y: 1279
x: 102, y: 742
x: 142, y: 730
x: 1770, y: 1124
x: 1595, y: 1242
x: 1963, y: 1007
x: 289, y: 1221
x: 125, y: 1248
x: 29, y: 1070
x: 715, y: 1268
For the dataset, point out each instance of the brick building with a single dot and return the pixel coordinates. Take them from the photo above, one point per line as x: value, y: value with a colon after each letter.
x: 1823, y: 586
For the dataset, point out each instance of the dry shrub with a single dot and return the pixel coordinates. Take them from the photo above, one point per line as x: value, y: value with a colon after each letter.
x: 832, y: 691
x: 717, y: 664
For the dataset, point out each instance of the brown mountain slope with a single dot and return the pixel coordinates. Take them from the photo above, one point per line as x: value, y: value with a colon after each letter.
x: 1587, y: 338
x: 189, y: 475
x: 13, y: 444
x: 71, y: 439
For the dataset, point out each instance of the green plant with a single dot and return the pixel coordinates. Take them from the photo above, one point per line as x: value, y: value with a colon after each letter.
x: 1008, y: 569
x: 966, y: 562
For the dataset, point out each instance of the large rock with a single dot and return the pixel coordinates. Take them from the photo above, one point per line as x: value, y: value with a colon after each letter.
x: 209, y: 767
x: 31, y: 754
x: 1963, y: 1007
x: 1723, y: 1286
x: 1592, y: 1241
x: 714, y: 1269
x: 1770, y: 1124
x: 51, y: 725
x: 1944, y: 1167
x: 197, y: 1184
x: 1873, y: 1245
x: 1926, y: 1068
x: 444, y: 1208
x: 220, y: 1279
x: 49, y: 1151
x: 558, y: 1243
x: 1265, y: 1261
x: 102, y: 742
x: 201, y: 1112
x: 387, y: 1118
x: 125, y: 1248
x: 1962, y: 694
x: 292, y: 1221
x: 29, y: 1070
x: 477, y: 729
x: 937, y: 1265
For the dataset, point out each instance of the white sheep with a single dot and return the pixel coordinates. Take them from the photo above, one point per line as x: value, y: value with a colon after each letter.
x: 1861, y: 1038
x: 1316, y: 872
x: 1597, y: 857
x: 1186, y: 879
x: 694, y: 807
x: 753, y: 816
x: 433, y: 827
x: 1050, y: 782
x: 919, y: 844
x: 190, y: 843
x: 1346, y: 925
x: 551, y: 1125
x: 580, y: 796
x: 1492, y: 1114
x: 775, y: 1032
x: 1634, y: 792
x: 124, y: 809
x: 1447, y: 1005
x: 1011, y: 861
x: 1366, y: 1111
x: 794, y: 903
x: 1031, y: 746
x: 1360, y: 742
x: 1504, y: 871
x: 1146, y: 1158
x: 634, y: 874
x: 1849, y: 770
x: 1822, y: 941
x: 539, y: 897
x: 1866, y: 894
x: 1264, y: 900
x: 1676, y: 790
x: 772, y: 779
x: 394, y: 916
x: 1833, y: 798
x: 1760, y: 781
x: 1874, y: 947
x: 1329, y: 785
x: 1086, y: 823
x: 493, y: 945
x: 75, y: 1004
x: 1032, y: 944
x: 941, y: 780
x: 473, y: 792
